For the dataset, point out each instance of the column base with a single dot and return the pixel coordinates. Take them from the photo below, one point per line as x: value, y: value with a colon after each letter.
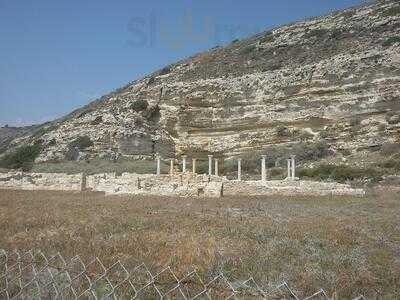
x: 292, y: 179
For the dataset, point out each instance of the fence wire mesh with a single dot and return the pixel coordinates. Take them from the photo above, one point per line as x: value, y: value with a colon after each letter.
x: 33, y: 275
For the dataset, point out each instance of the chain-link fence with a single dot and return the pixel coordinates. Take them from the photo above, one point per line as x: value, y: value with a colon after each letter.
x: 33, y: 275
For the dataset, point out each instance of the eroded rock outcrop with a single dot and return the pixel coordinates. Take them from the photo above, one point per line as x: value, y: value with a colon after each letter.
x: 334, y: 79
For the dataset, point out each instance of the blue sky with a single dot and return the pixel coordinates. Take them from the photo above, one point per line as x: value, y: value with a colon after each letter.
x: 56, y: 56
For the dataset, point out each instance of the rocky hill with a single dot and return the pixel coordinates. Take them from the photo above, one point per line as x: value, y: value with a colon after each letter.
x: 9, y: 134
x: 329, y: 84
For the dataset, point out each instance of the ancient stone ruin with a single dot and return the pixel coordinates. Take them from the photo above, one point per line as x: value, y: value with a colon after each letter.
x: 181, y: 183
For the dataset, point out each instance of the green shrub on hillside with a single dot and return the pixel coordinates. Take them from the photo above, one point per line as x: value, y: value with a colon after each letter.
x: 152, y: 113
x: 151, y: 81
x: 391, y: 41
x: 52, y: 142
x: 282, y: 131
x: 309, y: 152
x: 340, y: 173
x: 336, y: 34
x: 98, y: 120
x: 247, y: 50
x: 202, y: 166
x: 23, y: 158
x: 76, y: 146
x: 139, y: 105
x: 165, y: 71
x: 277, y: 173
x: 252, y: 163
x: 230, y: 165
x: 81, y: 143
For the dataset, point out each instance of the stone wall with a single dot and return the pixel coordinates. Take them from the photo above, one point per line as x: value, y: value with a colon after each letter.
x: 164, y: 185
x: 180, y: 185
x: 289, y: 188
x: 42, y: 181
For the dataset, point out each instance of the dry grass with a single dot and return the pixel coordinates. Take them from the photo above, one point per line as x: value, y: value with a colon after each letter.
x: 346, y: 245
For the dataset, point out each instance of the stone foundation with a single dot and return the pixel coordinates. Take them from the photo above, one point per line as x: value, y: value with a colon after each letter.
x: 180, y: 185
x: 41, y: 181
x: 289, y: 188
x: 164, y: 185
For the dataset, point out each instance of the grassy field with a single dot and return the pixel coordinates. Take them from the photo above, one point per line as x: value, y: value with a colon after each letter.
x: 349, y: 246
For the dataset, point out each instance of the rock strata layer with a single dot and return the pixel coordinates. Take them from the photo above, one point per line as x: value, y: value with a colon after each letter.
x: 334, y: 79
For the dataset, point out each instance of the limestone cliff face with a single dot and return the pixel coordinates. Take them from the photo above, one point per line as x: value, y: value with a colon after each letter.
x: 335, y: 79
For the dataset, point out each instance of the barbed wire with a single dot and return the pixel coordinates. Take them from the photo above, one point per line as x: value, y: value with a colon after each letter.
x: 32, y: 275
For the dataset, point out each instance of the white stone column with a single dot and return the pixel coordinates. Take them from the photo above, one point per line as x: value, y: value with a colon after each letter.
x: 183, y: 163
x: 171, y: 167
x: 158, y: 159
x: 293, y: 167
x: 263, y: 168
x: 210, y: 157
x: 194, y: 165
x: 239, y: 165
x: 216, y: 167
x: 289, y: 167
